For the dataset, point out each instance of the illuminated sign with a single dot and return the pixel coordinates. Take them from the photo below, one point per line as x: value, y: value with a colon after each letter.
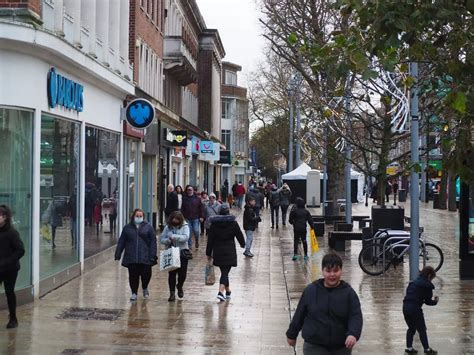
x: 64, y: 92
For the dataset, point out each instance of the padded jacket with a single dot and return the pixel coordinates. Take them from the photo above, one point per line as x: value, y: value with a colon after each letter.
x: 221, y: 240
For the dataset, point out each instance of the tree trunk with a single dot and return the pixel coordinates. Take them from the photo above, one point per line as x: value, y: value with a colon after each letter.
x: 452, y: 191
x: 335, y: 169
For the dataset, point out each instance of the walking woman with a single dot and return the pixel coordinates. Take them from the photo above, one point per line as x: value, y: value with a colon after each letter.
x: 11, y: 251
x: 285, y: 196
x: 176, y: 233
x: 221, y: 247
x: 138, y: 239
x: 179, y: 191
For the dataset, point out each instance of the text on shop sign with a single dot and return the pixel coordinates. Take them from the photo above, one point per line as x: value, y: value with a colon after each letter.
x: 64, y: 92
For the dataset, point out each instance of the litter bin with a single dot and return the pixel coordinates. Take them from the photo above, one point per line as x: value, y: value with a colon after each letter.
x: 402, y: 195
x: 328, y: 208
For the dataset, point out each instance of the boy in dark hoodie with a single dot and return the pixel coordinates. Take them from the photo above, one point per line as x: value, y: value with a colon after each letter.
x: 328, y: 313
x: 299, y: 216
x: 418, y: 292
x: 251, y: 220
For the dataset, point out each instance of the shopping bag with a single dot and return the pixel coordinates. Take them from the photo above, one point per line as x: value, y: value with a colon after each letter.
x: 45, y: 232
x: 209, y: 274
x: 314, y: 241
x: 170, y: 259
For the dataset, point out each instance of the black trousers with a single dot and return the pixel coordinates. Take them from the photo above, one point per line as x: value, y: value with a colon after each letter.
x: 284, y: 209
x: 225, y: 270
x: 275, y: 211
x: 9, y: 280
x: 300, y: 235
x: 137, y: 271
x: 416, y: 322
x: 181, y: 273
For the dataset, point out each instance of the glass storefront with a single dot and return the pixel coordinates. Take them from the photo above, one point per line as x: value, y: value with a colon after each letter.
x: 16, y: 137
x: 102, y: 174
x: 59, y: 181
x: 471, y: 219
x: 132, y: 159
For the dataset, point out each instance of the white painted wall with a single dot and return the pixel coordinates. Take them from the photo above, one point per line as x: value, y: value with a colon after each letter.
x: 216, y: 102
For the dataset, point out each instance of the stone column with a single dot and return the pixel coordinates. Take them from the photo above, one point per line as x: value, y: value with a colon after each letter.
x: 124, y: 28
x: 114, y: 32
x: 73, y: 8
x: 59, y: 17
x: 88, y: 13
x: 102, y: 27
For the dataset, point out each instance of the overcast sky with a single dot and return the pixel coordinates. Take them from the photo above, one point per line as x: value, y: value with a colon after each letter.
x: 237, y: 22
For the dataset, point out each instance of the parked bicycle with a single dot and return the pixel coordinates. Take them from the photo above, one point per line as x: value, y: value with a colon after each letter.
x: 388, y: 247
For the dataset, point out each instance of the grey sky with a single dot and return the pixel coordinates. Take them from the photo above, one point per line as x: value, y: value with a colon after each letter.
x: 237, y: 22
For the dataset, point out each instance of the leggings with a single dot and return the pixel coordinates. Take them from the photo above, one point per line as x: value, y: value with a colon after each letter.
x: 300, y: 235
x: 137, y: 271
x: 416, y: 322
x: 225, y: 275
x: 9, y: 279
x: 275, y: 210
x: 180, y: 273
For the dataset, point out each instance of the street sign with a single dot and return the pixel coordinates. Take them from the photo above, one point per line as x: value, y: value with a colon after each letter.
x: 140, y: 113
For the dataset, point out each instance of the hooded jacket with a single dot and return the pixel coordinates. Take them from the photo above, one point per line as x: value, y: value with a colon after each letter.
x: 211, y: 210
x: 299, y: 216
x: 11, y: 249
x: 192, y: 207
x: 139, y: 245
x: 327, y: 316
x: 285, y: 195
x: 418, y: 292
x: 255, y: 193
x: 179, y: 236
x: 221, y: 240
x: 250, y: 218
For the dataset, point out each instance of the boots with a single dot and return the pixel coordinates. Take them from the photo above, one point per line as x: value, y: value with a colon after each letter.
x: 172, y: 297
x: 13, y: 323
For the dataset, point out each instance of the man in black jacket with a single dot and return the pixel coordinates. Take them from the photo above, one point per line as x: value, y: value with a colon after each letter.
x: 251, y: 220
x: 328, y: 313
x: 299, y: 216
x: 172, y: 203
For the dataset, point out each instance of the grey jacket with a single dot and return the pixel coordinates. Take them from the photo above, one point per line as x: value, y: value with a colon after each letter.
x: 139, y: 245
x: 285, y: 195
x: 175, y: 236
x: 211, y: 210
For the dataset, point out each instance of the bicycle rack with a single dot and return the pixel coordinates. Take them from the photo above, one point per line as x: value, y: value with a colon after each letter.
x: 400, y: 238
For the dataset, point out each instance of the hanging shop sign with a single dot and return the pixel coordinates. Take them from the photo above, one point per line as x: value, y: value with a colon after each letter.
x: 196, y: 145
x: 393, y: 169
x: 64, y: 92
x: 207, y: 147
x: 140, y: 113
x: 225, y: 157
x: 178, y: 138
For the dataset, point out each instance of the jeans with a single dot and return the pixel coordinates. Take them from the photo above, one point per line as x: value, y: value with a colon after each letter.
x: 181, y: 273
x: 314, y: 349
x: 225, y: 275
x: 300, y: 235
x: 137, y: 271
x: 416, y: 322
x: 248, y: 240
x: 275, y: 210
x: 240, y: 200
x: 284, y: 209
x: 9, y: 279
x: 194, y: 227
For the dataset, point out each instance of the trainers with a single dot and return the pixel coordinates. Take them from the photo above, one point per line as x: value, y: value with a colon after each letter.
x: 133, y: 297
x: 13, y: 323
x: 146, y: 293
x: 295, y: 257
x: 227, y: 295
x: 251, y: 254
x: 306, y: 258
x: 180, y: 293
x: 411, y: 351
x: 221, y: 297
x: 248, y: 254
x: 430, y: 351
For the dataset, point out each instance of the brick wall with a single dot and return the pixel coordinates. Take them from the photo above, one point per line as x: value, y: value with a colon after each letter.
x: 33, y: 5
x: 205, y: 89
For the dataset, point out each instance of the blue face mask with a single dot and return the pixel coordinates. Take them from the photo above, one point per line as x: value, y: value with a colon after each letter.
x: 138, y: 220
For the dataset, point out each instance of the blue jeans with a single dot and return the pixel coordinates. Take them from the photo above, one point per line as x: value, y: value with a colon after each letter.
x: 240, y: 200
x: 194, y: 227
x: 249, y: 240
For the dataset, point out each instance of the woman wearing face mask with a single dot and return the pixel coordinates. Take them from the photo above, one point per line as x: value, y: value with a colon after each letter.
x: 176, y: 233
x: 138, y: 239
x: 11, y: 251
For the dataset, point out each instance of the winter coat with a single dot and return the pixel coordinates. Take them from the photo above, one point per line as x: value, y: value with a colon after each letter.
x: 255, y: 193
x: 97, y: 213
x: 52, y: 216
x: 285, y: 195
x: 211, y: 210
x: 327, y: 315
x: 179, y: 236
x: 240, y: 190
x: 275, y: 198
x: 299, y: 216
x: 418, y: 292
x: 192, y: 207
x: 172, y: 203
x: 139, y: 244
x: 250, y: 218
x: 221, y: 240
x: 11, y: 249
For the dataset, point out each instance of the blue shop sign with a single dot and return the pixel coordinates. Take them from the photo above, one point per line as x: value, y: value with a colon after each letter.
x: 64, y: 92
x: 140, y: 113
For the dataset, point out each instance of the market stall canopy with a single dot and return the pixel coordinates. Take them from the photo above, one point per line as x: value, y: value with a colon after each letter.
x: 300, y: 173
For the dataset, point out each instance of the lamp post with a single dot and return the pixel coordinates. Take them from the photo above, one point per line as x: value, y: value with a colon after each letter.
x: 348, y: 165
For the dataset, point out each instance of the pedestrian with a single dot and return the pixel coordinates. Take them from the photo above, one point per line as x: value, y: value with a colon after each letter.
x: 193, y: 211
x: 224, y: 192
x: 299, y: 216
x: 212, y: 209
x: 254, y: 193
x: 388, y: 190
x: 234, y: 192
x: 221, y: 247
x: 418, y: 292
x: 176, y: 233
x: 97, y: 215
x: 179, y: 191
x: 205, y: 202
x: 328, y: 312
x: 395, y: 191
x: 172, y: 202
x: 274, y: 205
x: 268, y: 192
x: 285, y: 196
x: 138, y: 239
x: 240, y: 193
x: 11, y: 251
x: 53, y: 217
x: 251, y: 220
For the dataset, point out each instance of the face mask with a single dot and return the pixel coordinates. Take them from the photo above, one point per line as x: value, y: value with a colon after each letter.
x: 138, y: 220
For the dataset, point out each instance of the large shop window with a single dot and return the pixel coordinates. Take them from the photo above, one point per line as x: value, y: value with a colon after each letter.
x: 131, y: 178
x: 16, y: 175
x: 471, y: 219
x: 59, y: 182
x: 101, y: 190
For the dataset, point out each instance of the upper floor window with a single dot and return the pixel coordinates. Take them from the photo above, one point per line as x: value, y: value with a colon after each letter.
x: 230, y: 78
x: 225, y: 138
x: 226, y: 108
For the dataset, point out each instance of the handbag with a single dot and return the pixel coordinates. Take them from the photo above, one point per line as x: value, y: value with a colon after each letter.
x: 170, y: 259
x: 186, y: 254
x: 209, y: 275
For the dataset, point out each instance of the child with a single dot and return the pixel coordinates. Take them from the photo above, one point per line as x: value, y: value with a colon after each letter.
x: 299, y: 216
x: 418, y: 292
x: 250, y: 223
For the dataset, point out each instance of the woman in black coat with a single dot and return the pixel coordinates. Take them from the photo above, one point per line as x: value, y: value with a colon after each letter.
x: 221, y: 247
x: 11, y: 251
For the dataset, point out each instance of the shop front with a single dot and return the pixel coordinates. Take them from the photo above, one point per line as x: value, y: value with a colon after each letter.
x: 466, y: 240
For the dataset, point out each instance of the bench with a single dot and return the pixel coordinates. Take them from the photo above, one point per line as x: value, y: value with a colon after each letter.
x: 337, y: 240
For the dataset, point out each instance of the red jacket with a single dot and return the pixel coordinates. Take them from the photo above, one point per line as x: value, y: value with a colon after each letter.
x: 240, y: 190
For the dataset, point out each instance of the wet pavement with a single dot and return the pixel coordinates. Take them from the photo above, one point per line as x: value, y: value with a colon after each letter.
x: 264, y: 290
